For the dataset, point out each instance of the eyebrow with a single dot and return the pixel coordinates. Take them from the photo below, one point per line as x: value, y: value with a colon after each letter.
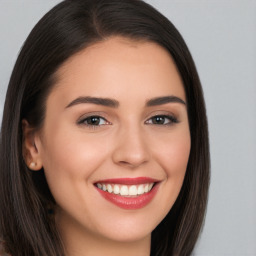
x: 164, y: 100
x: 114, y: 103
x: 94, y: 100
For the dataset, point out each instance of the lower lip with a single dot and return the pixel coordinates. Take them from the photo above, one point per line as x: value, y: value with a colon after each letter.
x: 130, y: 203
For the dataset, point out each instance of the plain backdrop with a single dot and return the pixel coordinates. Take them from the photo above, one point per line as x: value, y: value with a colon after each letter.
x: 221, y: 35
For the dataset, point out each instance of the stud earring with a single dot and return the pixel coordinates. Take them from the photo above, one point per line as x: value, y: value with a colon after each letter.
x: 32, y: 165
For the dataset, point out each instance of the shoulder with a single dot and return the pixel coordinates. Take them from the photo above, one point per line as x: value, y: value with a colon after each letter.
x: 2, y: 252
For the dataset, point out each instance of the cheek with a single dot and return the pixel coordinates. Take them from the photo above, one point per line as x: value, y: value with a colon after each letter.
x: 71, y: 158
x: 178, y: 156
x: 69, y: 165
x: 173, y: 154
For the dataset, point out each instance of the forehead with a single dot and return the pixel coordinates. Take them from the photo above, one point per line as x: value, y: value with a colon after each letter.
x: 119, y: 66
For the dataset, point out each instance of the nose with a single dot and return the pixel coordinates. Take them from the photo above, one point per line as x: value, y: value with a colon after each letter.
x: 131, y: 150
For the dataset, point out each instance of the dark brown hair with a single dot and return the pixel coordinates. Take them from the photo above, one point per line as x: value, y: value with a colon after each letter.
x: 25, y: 223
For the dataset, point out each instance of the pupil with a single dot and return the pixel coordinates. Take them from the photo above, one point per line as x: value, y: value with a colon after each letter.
x: 94, y: 121
x: 158, y: 120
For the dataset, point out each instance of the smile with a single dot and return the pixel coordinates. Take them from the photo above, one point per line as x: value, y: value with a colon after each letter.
x: 126, y: 190
x: 128, y: 193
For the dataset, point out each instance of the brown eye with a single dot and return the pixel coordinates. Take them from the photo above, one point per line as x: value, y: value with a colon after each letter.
x: 158, y: 120
x: 93, y: 121
x: 162, y: 120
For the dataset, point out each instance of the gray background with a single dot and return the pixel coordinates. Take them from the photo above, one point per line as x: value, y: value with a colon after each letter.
x: 222, y: 38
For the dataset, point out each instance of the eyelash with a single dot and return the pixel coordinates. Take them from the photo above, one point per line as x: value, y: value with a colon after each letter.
x: 85, y: 121
x: 167, y: 120
x: 172, y: 120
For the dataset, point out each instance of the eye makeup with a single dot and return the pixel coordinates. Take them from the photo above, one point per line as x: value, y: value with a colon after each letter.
x: 162, y: 120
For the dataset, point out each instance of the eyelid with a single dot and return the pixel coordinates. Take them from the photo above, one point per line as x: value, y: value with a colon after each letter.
x: 173, y: 119
x: 101, y: 115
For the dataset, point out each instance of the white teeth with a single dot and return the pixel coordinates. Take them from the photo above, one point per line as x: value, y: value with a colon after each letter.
x: 109, y: 187
x: 116, y: 189
x: 141, y: 190
x: 133, y: 191
x: 126, y: 190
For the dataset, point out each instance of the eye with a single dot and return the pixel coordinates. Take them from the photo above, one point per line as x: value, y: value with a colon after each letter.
x: 93, y: 121
x: 162, y: 120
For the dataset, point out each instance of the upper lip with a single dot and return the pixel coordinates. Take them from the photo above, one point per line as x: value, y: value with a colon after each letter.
x: 129, y: 181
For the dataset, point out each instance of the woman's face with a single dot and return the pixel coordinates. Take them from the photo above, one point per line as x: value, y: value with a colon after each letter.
x: 116, y: 120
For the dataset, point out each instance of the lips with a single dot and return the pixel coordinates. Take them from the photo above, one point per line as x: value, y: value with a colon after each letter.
x: 128, y: 193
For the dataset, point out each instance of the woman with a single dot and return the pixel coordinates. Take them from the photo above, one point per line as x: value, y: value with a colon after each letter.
x: 104, y: 142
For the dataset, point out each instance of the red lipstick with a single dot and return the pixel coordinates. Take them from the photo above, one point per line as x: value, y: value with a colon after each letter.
x: 127, y: 201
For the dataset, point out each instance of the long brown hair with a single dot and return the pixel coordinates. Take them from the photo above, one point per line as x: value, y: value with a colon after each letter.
x: 25, y: 222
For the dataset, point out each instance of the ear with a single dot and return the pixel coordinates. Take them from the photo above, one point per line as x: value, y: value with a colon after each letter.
x: 31, y: 154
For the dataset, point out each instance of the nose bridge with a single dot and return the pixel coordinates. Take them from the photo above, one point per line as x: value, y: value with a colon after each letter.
x: 131, y: 147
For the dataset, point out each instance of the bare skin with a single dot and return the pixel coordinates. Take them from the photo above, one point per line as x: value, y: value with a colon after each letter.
x: 130, y: 135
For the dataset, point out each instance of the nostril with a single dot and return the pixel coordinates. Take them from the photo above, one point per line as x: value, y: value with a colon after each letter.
x: 131, y: 164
